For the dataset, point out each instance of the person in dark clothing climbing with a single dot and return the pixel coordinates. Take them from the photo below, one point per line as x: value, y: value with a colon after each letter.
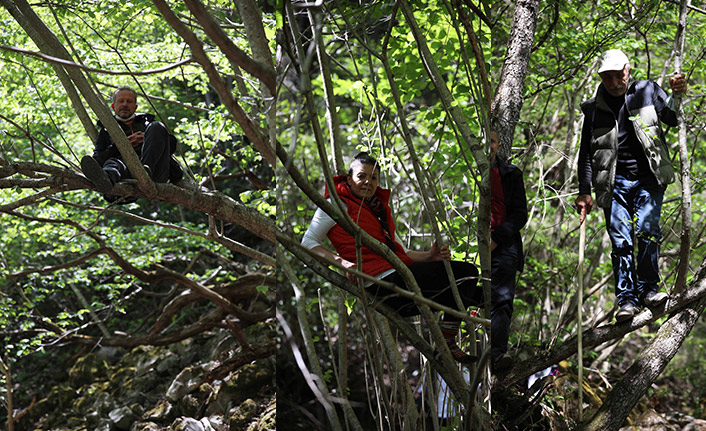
x: 508, y: 215
x: 368, y: 205
x: 149, y: 138
x: 624, y: 155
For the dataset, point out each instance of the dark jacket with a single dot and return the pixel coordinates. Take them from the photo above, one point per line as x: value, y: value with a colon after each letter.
x: 344, y: 243
x: 508, y: 231
x: 106, y: 148
x: 648, y: 106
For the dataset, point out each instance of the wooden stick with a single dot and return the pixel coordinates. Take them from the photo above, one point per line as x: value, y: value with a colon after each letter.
x: 579, y: 318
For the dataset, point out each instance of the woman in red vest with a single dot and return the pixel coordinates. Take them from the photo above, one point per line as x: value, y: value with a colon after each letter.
x: 368, y: 205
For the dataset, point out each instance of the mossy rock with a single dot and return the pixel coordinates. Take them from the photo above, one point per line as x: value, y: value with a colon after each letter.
x: 123, y: 418
x: 122, y: 379
x: 164, y: 412
x: 268, y: 421
x: 186, y: 381
x: 243, y: 414
x: 189, y: 405
x: 74, y: 422
x: 187, y: 424
x: 95, y: 398
x: 61, y: 398
x: 250, y: 379
x: 88, y: 369
x: 146, y: 426
x: 136, y: 356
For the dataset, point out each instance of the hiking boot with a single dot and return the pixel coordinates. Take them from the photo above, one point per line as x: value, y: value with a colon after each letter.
x: 94, y: 172
x: 501, y: 364
x: 626, y: 312
x: 654, y: 298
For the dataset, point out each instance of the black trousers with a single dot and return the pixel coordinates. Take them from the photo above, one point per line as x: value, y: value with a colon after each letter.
x: 505, y: 262
x: 155, y: 153
x: 433, y: 281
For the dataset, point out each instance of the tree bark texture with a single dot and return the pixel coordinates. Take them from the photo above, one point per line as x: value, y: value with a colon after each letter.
x: 505, y: 112
x: 26, y: 17
x: 648, y: 366
x: 685, y: 249
x: 602, y: 334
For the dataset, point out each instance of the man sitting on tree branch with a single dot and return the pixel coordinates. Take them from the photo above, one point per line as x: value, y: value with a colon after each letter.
x: 149, y: 138
x: 624, y: 154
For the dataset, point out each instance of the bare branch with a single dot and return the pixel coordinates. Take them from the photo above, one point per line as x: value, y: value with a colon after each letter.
x: 263, y: 72
x: 246, y: 123
x: 195, y: 198
x: 67, y: 63
x: 602, y: 334
x: 76, y: 262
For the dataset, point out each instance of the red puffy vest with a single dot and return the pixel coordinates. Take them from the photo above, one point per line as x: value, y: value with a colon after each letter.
x: 344, y: 243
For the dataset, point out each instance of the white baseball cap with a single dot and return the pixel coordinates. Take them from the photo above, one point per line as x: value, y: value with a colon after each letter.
x: 613, y: 59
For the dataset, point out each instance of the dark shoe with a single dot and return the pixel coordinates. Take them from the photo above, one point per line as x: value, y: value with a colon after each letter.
x: 501, y: 364
x: 626, y: 312
x: 654, y: 298
x: 94, y: 172
x: 149, y: 171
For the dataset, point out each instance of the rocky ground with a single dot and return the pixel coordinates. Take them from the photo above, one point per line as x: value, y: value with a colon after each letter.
x: 206, y: 383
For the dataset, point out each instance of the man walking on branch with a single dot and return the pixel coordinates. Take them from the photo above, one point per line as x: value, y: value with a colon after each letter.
x: 625, y: 156
x: 149, y: 138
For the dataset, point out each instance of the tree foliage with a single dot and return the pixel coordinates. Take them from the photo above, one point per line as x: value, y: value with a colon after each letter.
x: 346, y: 100
x: 185, y: 257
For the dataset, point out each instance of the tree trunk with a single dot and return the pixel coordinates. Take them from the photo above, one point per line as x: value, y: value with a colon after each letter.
x: 685, y: 248
x: 505, y: 112
x: 648, y: 366
x: 594, y: 337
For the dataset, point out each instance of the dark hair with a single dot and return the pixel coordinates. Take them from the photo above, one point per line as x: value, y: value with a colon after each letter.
x: 365, y: 159
x: 124, y: 88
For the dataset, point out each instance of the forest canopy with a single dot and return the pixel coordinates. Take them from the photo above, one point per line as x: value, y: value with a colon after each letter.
x: 268, y: 102
x: 419, y: 85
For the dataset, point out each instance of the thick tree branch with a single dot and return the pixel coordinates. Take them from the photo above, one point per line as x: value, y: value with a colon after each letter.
x: 509, y: 92
x: 602, y: 334
x: 44, y: 38
x: 210, y: 202
x: 646, y: 368
x: 265, y: 73
x: 251, y: 129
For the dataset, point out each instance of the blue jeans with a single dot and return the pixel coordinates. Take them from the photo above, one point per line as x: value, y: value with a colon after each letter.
x: 634, y: 216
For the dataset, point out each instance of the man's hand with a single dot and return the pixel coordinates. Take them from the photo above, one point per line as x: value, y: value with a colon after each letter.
x: 493, y: 244
x: 584, y: 203
x: 678, y: 83
x: 136, y: 139
x: 437, y: 253
x: 348, y: 264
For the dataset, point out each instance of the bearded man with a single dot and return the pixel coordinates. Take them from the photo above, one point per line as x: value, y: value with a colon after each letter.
x: 149, y: 138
